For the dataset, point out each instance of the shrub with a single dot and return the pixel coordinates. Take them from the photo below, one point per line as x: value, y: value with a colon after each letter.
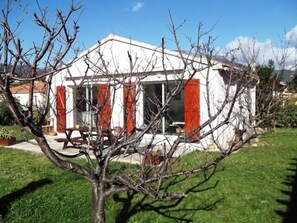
x: 5, y: 115
x: 6, y: 133
x: 291, y: 103
x: 286, y: 118
x: 37, y: 114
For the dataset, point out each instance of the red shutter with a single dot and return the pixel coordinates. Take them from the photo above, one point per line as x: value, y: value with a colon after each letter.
x: 129, y: 107
x: 104, y: 105
x: 61, y: 108
x: 192, y: 108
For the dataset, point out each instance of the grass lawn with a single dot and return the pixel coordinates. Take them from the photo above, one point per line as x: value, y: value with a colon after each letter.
x: 253, y: 185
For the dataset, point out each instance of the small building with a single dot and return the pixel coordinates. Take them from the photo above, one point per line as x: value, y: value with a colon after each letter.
x: 129, y: 79
x: 21, y: 92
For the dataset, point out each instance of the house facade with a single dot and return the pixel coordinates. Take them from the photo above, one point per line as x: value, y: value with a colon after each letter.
x: 127, y: 81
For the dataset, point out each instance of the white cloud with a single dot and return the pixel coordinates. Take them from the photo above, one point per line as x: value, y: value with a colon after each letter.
x: 291, y: 36
x: 249, y: 50
x: 137, y: 6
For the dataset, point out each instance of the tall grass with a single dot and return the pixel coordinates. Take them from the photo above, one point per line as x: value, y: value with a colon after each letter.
x: 249, y: 186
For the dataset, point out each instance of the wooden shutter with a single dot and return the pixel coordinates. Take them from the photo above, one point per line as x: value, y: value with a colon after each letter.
x: 129, y: 107
x: 61, y: 108
x: 104, y: 104
x: 192, y: 108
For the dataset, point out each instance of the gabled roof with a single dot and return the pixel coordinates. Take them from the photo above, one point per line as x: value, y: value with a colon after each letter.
x: 39, y: 87
x: 116, y: 38
x: 217, y: 60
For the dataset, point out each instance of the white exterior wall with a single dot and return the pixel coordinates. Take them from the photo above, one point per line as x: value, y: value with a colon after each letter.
x: 24, y: 99
x: 116, y: 56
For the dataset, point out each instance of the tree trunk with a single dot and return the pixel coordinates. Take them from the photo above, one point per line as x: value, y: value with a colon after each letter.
x: 98, y: 202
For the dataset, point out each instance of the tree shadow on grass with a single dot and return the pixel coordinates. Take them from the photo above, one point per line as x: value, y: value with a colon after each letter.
x: 6, y: 200
x: 169, y: 210
x: 291, y: 180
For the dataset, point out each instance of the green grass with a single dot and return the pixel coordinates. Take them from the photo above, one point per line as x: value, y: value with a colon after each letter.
x: 249, y: 186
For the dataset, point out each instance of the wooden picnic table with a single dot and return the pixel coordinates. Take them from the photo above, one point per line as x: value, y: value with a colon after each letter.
x: 83, y: 138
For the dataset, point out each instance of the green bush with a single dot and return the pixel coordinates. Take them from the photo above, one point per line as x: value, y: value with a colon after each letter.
x: 286, y: 118
x: 18, y: 132
x: 291, y: 103
x: 37, y: 113
x: 5, y: 115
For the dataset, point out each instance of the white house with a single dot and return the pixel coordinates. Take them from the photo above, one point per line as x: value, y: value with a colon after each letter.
x: 21, y: 92
x: 116, y: 69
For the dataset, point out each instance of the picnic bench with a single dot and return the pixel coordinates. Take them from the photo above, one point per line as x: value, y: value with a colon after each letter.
x: 131, y: 143
x: 83, y: 138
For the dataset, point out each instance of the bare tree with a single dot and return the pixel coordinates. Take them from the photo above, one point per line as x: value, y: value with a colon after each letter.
x: 229, y: 117
x: 271, y: 87
x: 269, y: 94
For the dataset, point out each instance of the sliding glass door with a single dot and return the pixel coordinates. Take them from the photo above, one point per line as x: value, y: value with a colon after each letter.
x: 154, y: 97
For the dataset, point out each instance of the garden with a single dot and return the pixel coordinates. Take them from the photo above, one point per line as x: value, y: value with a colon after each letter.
x: 256, y: 184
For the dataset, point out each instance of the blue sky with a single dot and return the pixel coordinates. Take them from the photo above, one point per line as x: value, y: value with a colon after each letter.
x: 261, y: 19
x: 267, y: 21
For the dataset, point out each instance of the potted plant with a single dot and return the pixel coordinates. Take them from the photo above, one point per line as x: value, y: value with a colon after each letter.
x: 153, y: 158
x: 7, y: 136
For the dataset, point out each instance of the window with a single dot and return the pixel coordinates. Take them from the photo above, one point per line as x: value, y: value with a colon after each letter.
x: 86, y: 98
x: 154, y: 98
x: 176, y: 106
x: 81, y: 99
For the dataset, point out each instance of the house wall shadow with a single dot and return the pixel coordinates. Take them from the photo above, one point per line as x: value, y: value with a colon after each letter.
x: 6, y: 200
x: 290, y: 215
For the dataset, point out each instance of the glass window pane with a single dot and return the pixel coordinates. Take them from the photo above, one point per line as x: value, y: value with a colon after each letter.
x: 176, y: 106
x: 94, y: 96
x: 153, y: 96
x: 175, y: 112
x: 152, y: 100
x: 81, y: 103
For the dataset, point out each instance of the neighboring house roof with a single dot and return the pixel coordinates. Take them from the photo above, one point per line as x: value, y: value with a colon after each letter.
x: 286, y: 75
x: 39, y: 87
